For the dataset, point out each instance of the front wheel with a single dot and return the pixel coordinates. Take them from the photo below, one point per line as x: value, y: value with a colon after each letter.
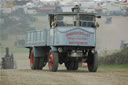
x: 92, y: 61
x: 53, y: 61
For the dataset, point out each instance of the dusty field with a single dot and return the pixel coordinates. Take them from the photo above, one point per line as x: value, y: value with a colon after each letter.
x: 63, y: 77
x: 24, y: 76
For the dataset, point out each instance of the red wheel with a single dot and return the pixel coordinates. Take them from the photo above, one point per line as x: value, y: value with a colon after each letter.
x: 32, y: 59
x: 53, y: 61
x: 34, y: 62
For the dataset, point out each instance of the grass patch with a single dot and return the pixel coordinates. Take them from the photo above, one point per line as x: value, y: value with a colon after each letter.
x: 121, y: 66
x: 15, y: 50
x: 19, y: 50
x: 118, y: 57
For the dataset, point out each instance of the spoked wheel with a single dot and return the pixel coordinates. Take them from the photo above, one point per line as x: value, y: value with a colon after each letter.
x: 72, y: 64
x: 36, y: 63
x: 92, y: 61
x: 53, y: 61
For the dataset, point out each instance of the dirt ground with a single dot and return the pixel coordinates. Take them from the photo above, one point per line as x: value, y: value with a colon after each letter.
x: 63, y: 77
x: 24, y: 76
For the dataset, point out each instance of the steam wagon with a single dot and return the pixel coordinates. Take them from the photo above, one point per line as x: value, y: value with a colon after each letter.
x: 70, y: 39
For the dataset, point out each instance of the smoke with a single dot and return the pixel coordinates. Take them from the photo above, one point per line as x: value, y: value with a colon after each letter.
x: 110, y: 35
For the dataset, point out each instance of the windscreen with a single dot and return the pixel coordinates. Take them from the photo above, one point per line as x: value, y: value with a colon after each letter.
x: 65, y: 20
x: 75, y: 20
x: 87, y: 20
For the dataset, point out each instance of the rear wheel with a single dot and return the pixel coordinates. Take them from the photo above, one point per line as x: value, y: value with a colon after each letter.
x: 53, y: 61
x: 92, y: 61
x: 72, y: 64
x: 41, y: 63
x: 76, y: 65
x: 69, y: 65
x: 36, y: 63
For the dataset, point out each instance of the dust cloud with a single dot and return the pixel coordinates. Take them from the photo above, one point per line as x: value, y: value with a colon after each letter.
x: 110, y: 35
